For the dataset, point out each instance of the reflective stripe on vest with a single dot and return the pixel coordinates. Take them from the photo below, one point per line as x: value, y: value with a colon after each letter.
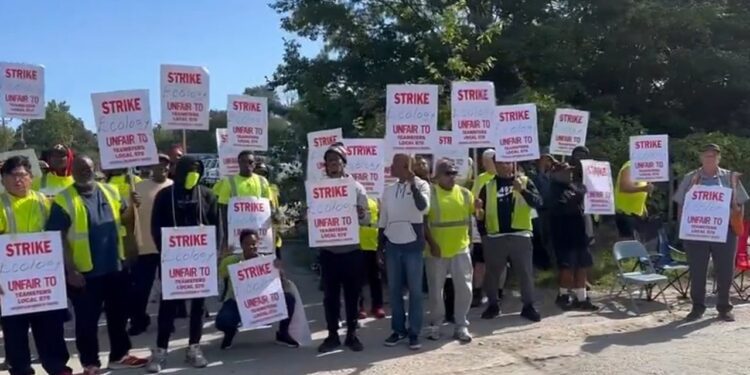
x: 435, y: 207
x: 10, y: 215
x: 521, y: 217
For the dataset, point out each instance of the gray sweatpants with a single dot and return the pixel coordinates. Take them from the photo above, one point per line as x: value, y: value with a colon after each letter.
x: 698, y: 253
x: 460, y: 269
x: 497, y: 250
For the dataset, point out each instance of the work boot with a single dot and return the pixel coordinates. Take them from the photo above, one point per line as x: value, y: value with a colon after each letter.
x: 696, y: 313
x: 530, y: 313
x: 492, y: 311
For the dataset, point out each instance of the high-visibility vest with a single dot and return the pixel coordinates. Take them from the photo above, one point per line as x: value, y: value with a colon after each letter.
x: 630, y: 203
x: 260, y: 181
x: 521, y: 218
x: 450, y: 218
x: 368, y: 234
x: 11, y: 217
x: 78, y: 234
x: 480, y: 181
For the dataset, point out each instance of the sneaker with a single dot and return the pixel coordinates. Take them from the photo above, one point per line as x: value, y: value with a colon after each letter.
x: 726, y: 316
x: 352, y: 342
x: 331, y: 343
x: 414, y: 343
x: 362, y: 314
x: 696, y: 313
x: 195, y: 357
x: 530, y: 313
x: 476, y: 298
x: 128, y: 362
x: 157, y: 362
x: 586, y: 305
x: 394, y: 339
x: 492, y: 311
x: 563, y: 302
x: 433, y: 333
x: 226, y: 343
x: 462, y: 334
x: 378, y: 313
x: 287, y: 340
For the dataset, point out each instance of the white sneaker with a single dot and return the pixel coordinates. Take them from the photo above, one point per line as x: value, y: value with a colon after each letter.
x: 195, y: 357
x: 157, y: 362
x: 433, y: 332
x: 462, y: 334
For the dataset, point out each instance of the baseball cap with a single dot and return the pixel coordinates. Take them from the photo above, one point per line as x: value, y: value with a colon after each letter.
x: 711, y: 147
x: 489, y: 153
x: 339, y: 149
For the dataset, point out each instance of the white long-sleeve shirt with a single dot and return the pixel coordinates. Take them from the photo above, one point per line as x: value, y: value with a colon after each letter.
x: 399, y: 211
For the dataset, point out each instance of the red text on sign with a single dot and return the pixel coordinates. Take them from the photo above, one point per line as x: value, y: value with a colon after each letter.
x: 254, y: 271
x: 246, y: 106
x: 362, y: 151
x: 575, y: 119
x: 708, y: 196
x: 21, y: 74
x: 28, y: 248
x: 596, y: 171
x: 249, y: 207
x: 324, y: 141
x: 472, y: 94
x: 188, y: 240
x: 121, y: 105
x: 185, y: 78
x: 514, y: 115
x: 330, y: 192
x: 648, y: 144
x: 420, y: 98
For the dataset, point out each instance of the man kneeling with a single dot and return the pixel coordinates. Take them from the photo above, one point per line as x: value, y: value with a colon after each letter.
x: 229, y: 316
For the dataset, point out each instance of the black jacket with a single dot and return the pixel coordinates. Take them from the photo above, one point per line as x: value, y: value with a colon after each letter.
x: 185, y: 206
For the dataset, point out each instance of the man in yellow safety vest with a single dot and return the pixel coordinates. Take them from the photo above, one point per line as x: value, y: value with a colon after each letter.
x: 477, y: 252
x: 97, y: 227
x: 447, y: 232
x: 58, y: 177
x: 630, y: 202
x: 504, y: 213
x: 26, y: 211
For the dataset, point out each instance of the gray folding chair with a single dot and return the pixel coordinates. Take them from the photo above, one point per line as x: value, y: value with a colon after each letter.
x: 643, y: 277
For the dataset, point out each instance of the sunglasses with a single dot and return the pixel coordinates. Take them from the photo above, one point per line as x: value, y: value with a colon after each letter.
x: 451, y: 173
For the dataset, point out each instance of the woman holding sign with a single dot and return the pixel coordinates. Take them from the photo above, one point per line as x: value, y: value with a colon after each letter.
x: 695, y: 198
x: 183, y: 204
x: 25, y: 211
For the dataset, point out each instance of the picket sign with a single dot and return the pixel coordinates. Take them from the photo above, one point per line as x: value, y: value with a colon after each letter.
x: 22, y: 91
x: 568, y: 131
x: 411, y: 118
x: 32, y: 273
x: 332, y: 212
x: 247, y: 122
x: 124, y: 130
x: 365, y: 164
x: 473, y: 113
x: 317, y: 144
x: 517, y: 134
x: 706, y: 214
x: 459, y: 155
x: 251, y: 213
x: 258, y: 292
x: 228, y: 164
x: 600, y: 198
x: 188, y: 262
x: 184, y: 97
x: 649, y: 158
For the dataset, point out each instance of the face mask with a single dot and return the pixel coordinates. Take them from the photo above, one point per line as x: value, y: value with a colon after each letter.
x: 191, y: 180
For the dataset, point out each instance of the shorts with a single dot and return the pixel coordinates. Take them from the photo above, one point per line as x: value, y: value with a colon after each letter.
x: 477, y: 254
x: 573, y: 258
x: 627, y: 225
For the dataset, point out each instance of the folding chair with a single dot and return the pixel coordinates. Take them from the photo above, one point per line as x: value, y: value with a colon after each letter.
x: 665, y: 264
x: 643, y: 278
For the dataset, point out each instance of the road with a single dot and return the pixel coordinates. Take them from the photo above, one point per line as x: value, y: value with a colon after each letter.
x: 608, y: 342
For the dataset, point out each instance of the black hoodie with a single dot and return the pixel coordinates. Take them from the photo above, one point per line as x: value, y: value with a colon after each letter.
x: 185, y: 204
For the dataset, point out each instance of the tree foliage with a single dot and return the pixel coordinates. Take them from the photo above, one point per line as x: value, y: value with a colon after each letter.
x: 58, y: 126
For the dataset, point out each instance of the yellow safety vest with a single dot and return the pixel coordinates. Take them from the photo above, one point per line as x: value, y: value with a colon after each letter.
x: 630, y: 203
x: 36, y: 201
x: 78, y: 234
x: 521, y: 219
x: 254, y: 186
x: 450, y: 218
x: 368, y: 234
x: 480, y: 181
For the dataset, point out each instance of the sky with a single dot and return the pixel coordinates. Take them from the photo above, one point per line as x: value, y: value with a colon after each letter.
x: 90, y: 46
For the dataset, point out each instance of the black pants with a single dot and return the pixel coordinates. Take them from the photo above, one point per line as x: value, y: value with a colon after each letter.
x: 142, y: 276
x: 341, y: 271
x: 107, y: 293
x: 372, y: 269
x: 167, y: 315
x: 229, y: 318
x: 49, y: 335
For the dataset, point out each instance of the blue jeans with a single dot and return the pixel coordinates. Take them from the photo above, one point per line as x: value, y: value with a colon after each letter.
x: 404, y: 262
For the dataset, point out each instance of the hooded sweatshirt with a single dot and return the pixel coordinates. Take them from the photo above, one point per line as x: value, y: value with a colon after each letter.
x: 189, y: 207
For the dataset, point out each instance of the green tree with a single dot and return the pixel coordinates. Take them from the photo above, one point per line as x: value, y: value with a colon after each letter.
x: 58, y: 126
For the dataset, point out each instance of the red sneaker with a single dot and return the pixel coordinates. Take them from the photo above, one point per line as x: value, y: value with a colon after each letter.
x: 362, y: 314
x: 128, y: 362
x: 378, y: 313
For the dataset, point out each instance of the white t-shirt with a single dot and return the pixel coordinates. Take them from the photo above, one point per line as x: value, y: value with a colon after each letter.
x: 398, y: 210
